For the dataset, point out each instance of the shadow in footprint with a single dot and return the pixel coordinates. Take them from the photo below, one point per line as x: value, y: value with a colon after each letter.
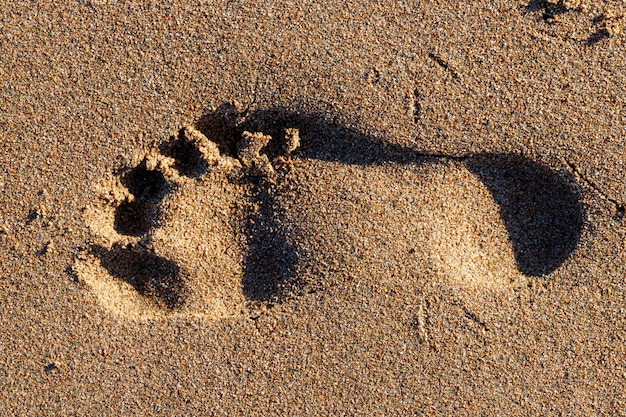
x: 597, y: 36
x: 549, y: 10
x: 269, y: 267
x: 222, y: 127
x: 148, y: 187
x: 136, y: 218
x: 601, y: 33
x: 540, y: 208
x: 150, y: 274
x: 188, y: 160
x: 326, y: 140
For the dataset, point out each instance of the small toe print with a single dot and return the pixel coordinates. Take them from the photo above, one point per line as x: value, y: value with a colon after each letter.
x: 140, y: 211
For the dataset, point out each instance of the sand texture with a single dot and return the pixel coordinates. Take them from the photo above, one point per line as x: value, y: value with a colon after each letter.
x: 300, y: 208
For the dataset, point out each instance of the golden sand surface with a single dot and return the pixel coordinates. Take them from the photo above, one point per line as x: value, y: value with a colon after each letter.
x: 305, y: 208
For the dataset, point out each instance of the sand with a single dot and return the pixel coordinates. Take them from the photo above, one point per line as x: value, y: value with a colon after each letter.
x: 364, y: 208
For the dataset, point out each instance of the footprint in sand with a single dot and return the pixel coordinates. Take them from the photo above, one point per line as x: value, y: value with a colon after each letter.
x: 212, y: 224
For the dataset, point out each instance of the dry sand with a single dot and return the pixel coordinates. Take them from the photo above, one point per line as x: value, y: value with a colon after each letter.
x: 364, y: 208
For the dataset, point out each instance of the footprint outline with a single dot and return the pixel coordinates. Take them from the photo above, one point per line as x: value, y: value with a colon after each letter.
x: 261, y: 284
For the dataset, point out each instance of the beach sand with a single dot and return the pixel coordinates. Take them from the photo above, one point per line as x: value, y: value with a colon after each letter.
x: 365, y: 208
